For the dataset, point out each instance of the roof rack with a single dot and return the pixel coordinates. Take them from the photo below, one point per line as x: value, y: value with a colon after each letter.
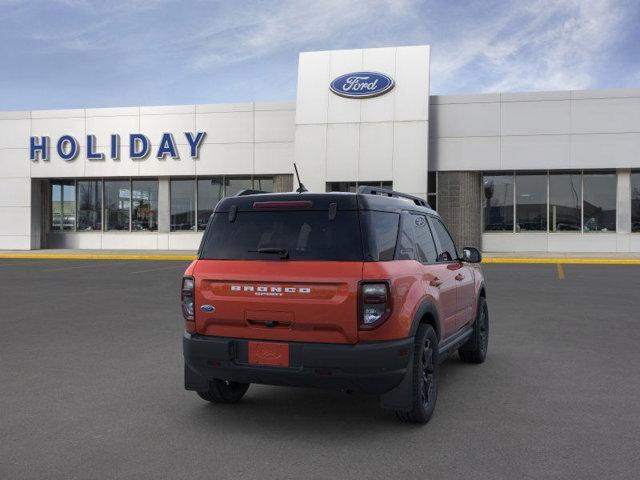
x: 248, y: 191
x: 368, y: 190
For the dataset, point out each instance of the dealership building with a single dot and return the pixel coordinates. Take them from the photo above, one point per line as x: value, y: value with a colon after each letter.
x: 534, y: 172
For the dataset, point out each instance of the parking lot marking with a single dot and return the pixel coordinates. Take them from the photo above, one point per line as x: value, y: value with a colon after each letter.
x: 560, y: 271
x: 173, y: 267
x: 565, y: 261
x: 91, y: 265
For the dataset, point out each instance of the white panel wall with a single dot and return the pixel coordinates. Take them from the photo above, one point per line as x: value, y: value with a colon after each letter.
x: 15, y: 184
x: 242, y: 139
x: 554, y: 130
x: 344, y: 139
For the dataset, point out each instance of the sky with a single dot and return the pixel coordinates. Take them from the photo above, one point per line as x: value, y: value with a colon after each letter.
x: 82, y: 53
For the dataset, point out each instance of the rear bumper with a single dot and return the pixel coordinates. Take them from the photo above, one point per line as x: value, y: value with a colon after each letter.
x: 372, y: 367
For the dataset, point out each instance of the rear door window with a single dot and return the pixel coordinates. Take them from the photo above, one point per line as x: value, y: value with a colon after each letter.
x: 304, y: 235
x: 446, y: 247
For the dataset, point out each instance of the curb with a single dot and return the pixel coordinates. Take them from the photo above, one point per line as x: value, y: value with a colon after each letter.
x: 97, y: 256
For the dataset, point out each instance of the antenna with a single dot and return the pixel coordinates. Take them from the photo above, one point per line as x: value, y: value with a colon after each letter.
x: 301, y: 188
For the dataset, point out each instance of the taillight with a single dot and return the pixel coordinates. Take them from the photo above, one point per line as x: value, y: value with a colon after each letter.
x: 186, y: 298
x: 375, y: 304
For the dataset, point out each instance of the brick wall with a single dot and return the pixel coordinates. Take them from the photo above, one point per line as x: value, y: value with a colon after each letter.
x: 459, y: 206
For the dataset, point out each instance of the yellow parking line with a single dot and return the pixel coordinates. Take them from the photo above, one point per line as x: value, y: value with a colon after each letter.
x: 560, y: 271
x: 95, y: 256
x: 566, y: 261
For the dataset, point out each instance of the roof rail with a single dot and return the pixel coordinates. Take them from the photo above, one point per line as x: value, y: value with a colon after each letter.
x: 248, y: 191
x: 368, y: 190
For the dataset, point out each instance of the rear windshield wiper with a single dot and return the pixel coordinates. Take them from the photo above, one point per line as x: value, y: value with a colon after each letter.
x: 283, y: 252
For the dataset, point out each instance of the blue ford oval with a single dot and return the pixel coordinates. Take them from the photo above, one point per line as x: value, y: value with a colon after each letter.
x: 361, y: 84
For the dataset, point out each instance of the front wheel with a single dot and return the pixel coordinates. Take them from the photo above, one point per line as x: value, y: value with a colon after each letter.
x: 224, y: 391
x: 475, y: 349
x: 425, y: 377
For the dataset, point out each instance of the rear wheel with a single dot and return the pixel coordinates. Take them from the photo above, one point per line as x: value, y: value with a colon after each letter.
x: 224, y: 391
x: 425, y: 377
x: 475, y: 349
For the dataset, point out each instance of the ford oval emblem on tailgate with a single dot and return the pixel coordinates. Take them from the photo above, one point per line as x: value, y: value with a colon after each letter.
x: 361, y: 84
x: 208, y: 308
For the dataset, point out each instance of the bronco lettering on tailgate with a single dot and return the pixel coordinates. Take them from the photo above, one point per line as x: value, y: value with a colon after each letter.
x: 269, y: 290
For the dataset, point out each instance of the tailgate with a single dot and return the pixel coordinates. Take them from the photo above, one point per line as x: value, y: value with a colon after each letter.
x: 298, y: 301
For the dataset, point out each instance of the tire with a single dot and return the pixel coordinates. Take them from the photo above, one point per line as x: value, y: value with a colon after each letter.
x: 425, y: 377
x: 222, y: 391
x: 475, y: 349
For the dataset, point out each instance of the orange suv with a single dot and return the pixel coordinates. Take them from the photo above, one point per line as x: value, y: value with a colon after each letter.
x: 357, y: 291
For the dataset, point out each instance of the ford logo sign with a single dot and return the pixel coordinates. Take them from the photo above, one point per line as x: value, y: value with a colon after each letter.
x: 208, y: 308
x: 361, y: 84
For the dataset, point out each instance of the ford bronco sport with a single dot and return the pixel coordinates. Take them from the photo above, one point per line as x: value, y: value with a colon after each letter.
x: 357, y: 291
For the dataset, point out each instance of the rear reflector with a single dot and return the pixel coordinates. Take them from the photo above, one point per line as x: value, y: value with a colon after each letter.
x: 284, y: 204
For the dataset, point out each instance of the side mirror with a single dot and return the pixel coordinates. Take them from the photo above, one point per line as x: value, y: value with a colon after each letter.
x: 471, y: 255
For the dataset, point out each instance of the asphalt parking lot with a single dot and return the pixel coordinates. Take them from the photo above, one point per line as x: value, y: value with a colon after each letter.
x: 91, y: 387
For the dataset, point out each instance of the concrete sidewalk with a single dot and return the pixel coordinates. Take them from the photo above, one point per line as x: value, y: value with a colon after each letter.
x: 186, y: 255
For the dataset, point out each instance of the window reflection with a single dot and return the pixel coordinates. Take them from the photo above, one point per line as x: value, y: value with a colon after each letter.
x: 89, y: 205
x: 600, y: 202
x: 497, y: 203
x: 183, y: 208
x: 531, y: 202
x: 235, y: 185
x: 635, y: 202
x: 565, y: 193
x: 117, y: 201
x: 144, y: 210
x: 210, y: 191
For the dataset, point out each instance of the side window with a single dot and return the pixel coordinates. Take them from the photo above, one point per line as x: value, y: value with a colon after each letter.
x: 406, y: 243
x: 425, y: 246
x: 447, y: 250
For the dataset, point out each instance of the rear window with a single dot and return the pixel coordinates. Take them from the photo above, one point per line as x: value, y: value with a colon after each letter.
x: 304, y: 235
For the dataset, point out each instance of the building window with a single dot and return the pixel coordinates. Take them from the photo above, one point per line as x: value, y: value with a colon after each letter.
x: 89, y: 205
x: 635, y: 202
x: 233, y: 185
x: 599, y: 204
x: 63, y: 205
x: 210, y: 191
x: 497, y: 203
x: 183, y: 205
x: 432, y: 190
x: 531, y: 202
x: 565, y: 202
x: 117, y: 204
x: 353, y: 186
x: 144, y: 209
x: 264, y: 184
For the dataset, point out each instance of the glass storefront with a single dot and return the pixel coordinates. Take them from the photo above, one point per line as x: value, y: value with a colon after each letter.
x: 353, y: 186
x: 117, y: 204
x: 635, y: 202
x: 89, y: 205
x: 558, y: 201
x: 183, y: 205
x: 497, y: 202
x: 531, y: 202
x: 600, y: 202
x: 144, y: 207
x: 193, y: 200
